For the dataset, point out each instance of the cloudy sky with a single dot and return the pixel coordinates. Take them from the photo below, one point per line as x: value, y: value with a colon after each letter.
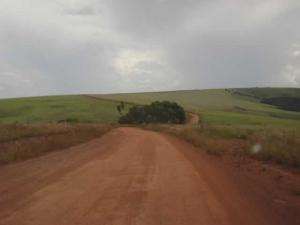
x: 105, y: 46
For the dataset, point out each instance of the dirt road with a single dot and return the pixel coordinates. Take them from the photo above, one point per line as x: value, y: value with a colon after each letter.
x: 129, y: 176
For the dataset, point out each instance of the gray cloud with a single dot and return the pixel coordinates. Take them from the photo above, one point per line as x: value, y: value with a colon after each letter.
x: 57, y: 47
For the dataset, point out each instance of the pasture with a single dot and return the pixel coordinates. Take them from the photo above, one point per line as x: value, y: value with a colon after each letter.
x: 72, y: 108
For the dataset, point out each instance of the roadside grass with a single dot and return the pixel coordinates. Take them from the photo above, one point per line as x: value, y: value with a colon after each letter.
x: 266, y: 144
x: 74, y: 108
x: 21, y: 142
x: 280, y: 147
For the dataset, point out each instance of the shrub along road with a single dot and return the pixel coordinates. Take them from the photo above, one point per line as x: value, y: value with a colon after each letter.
x: 132, y: 176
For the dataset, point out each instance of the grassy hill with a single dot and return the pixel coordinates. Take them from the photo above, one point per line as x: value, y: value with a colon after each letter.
x: 226, y: 106
x: 240, y: 107
x: 57, y: 108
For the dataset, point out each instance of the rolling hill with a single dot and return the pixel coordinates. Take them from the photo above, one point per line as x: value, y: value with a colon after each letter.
x: 238, y: 107
x: 225, y: 106
x: 73, y: 108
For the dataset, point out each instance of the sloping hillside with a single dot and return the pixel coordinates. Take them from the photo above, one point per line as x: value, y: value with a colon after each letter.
x: 240, y: 107
x: 282, y: 98
x: 225, y: 106
x: 56, y: 109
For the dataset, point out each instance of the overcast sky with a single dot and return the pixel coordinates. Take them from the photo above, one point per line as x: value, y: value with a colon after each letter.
x: 105, y: 46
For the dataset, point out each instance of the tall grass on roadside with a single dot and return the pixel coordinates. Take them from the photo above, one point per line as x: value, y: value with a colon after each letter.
x: 280, y: 146
x: 20, y: 142
x: 267, y: 144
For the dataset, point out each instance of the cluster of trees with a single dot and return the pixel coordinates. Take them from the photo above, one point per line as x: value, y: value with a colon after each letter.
x: 156, y: 112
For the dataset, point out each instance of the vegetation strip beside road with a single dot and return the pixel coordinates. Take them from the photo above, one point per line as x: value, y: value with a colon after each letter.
x: 265, y: 145
x: 20, y: 142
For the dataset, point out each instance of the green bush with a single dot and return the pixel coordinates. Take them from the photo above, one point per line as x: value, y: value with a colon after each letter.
x: 156, y: 112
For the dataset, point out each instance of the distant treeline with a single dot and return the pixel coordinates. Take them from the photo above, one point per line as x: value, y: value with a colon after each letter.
x: 285, y: 103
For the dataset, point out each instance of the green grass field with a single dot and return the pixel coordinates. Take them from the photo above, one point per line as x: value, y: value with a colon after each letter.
x: 57, y: 108
x: 237, y: 107
x: 226, y: 106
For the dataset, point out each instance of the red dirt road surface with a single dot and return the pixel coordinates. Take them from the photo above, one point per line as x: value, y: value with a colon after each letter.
x: 132, y: 176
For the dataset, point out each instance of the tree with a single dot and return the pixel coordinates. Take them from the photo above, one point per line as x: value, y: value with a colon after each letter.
x: 156, y: 112
x: 121, y: 107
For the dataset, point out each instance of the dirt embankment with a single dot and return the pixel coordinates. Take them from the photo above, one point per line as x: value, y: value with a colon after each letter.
x: 132, y: 176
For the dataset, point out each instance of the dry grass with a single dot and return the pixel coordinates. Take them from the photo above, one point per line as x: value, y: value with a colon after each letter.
x: 280, y: 146
x: 20, y: 142
x: 191, y: 134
